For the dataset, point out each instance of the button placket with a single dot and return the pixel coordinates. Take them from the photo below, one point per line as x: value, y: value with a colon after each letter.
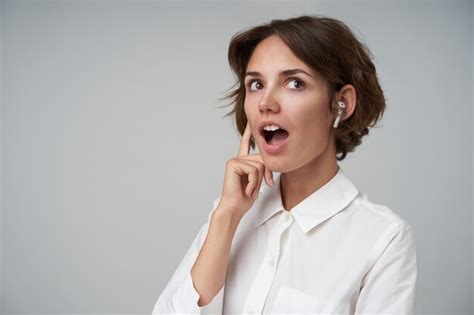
x: 276, y: 237
x: 263, y: 282
x: 271, y: 263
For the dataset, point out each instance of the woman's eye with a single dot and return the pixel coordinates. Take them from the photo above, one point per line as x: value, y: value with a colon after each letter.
x: 298, y: 86
x: 299, y: 81
x: 250, y: 84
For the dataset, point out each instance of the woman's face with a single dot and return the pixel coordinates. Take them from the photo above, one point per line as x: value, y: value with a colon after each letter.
x: 298, y: 102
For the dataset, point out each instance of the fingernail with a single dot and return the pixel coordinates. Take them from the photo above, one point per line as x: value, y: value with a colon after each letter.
x: 272, y: 182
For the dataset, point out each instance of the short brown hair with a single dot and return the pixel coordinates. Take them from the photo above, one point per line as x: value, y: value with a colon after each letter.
x: 331, y: 49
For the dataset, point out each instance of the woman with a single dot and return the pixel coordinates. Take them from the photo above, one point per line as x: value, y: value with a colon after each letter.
x: 307, y: 241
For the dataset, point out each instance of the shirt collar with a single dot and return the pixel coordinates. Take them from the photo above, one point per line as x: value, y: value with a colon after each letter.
x: 322, y: 204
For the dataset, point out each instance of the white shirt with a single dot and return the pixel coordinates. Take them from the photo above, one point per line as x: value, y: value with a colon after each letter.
x: 334, y: 253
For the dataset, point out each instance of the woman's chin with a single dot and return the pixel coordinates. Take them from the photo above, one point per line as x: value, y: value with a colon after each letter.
x: 274, y: 163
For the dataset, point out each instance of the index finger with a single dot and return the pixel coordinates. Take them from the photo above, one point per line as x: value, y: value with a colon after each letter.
x: 244, y: 147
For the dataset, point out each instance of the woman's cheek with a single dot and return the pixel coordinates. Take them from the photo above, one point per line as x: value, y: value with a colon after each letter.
x: 249, y: 109
x: 246, y: 110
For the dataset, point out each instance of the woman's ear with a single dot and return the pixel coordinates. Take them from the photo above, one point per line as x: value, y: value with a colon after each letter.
x: 348, y: 95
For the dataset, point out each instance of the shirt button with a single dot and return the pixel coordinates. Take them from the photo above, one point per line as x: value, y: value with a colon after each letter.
x: 288, y: 217
x: 271, y: 263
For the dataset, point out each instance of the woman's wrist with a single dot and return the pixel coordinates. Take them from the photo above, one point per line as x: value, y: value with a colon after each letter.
x: 226, y: 217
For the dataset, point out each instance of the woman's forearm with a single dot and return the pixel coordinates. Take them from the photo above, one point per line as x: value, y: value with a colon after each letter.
x: 209, y: 269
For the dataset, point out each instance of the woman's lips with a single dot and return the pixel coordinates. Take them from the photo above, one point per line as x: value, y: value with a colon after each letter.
x: 270, y: 122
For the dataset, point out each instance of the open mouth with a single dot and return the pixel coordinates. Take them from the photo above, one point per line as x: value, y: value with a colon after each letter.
x: 275, y: 137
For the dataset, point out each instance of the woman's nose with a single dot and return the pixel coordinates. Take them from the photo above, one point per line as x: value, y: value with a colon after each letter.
x: 268, y: 102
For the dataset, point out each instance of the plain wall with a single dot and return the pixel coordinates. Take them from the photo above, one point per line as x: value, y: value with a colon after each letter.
x: 113, y: 147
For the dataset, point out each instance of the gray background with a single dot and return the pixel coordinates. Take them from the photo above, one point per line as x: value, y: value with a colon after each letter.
x: 113, y: 147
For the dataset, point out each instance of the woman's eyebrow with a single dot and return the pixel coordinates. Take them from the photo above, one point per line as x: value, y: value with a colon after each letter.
x: 282, y: 73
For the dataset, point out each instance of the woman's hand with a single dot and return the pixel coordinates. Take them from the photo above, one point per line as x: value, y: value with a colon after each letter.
x: 243, y: 178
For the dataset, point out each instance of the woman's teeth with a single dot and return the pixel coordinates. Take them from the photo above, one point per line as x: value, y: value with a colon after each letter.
x: 271, y: 127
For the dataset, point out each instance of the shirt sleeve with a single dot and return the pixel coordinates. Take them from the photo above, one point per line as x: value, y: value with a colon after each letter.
x: 390, y: 286
x: 180, y: 296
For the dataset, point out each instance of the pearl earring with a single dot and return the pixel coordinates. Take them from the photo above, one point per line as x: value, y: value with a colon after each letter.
x: 341, y: 109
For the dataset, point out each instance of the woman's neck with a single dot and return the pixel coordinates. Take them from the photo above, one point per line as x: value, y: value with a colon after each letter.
x: 298, y: 184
